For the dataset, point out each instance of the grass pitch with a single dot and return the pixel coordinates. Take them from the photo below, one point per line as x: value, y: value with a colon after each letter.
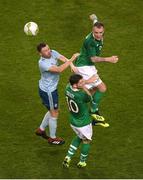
x: 116, y: 152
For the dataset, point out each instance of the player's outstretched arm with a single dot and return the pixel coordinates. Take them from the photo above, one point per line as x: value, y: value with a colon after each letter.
x: 61, y: 68
x: 74, y: 57
x: 73, y: 67
x: 112, y: 59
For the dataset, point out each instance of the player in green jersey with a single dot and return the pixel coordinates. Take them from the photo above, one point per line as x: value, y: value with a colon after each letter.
x: 89, y: 55
x: 80, y: 119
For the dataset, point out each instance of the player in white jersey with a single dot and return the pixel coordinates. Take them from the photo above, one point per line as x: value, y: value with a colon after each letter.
x: 50, y: 71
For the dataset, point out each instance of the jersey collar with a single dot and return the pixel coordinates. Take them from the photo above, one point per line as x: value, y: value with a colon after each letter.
x: 74, y: 89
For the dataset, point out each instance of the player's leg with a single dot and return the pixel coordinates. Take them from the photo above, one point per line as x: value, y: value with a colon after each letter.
x: 87, y: 72
x: 53, y: 101
x: 84, y: 153
x: 41, y: 130
x: 71, y: 151
x: 98, y: 88
x: 97, y: 96
x: 53, y: 139
x: 86, y: 133
x: 50, y: 100
x: 53, y: 123
x: 81, y: 133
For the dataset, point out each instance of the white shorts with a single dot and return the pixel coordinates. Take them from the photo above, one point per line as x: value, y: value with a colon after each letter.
x: 84, y: 132
x: 87, y: 72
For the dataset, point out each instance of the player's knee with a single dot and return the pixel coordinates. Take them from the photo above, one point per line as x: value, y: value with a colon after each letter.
x: 54, y: 113
x: 102, y: 88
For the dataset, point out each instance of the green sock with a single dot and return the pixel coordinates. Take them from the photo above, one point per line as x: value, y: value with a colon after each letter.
x: 73, y: 146
x: 97, y: 96
x: 84, y: 152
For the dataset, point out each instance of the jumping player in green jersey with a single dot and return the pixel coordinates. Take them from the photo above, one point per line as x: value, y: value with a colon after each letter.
x: 80, y: 119
x: 89, y: 55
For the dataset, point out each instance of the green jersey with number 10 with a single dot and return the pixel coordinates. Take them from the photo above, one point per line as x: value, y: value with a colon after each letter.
x: 77, y: 101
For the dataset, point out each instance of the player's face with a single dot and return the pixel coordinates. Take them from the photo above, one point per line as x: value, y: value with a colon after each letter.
x: 98, y: 32
x: 46, y: 52
x: 80, y: 83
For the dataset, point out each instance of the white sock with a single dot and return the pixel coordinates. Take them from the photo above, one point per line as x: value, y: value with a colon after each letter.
x: 45, y: 121
x: 52, y: 126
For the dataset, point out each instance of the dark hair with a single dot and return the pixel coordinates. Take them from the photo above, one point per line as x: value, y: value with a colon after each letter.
x: 40, y: 46
x: 98, y: 25
x: 74, y: 79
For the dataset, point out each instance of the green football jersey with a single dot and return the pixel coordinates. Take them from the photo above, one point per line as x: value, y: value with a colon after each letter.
x: 78, y: 106
x: 91, y: 47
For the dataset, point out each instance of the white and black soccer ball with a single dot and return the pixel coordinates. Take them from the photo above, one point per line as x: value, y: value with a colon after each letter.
x: 31, y: 29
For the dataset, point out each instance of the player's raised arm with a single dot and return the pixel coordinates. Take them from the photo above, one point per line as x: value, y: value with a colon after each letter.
x: 61, y: 68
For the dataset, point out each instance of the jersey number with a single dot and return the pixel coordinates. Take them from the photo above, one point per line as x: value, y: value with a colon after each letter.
x: 72, y: 105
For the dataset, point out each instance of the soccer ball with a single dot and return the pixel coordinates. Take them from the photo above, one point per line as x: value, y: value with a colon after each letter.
x: 31, y: 29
